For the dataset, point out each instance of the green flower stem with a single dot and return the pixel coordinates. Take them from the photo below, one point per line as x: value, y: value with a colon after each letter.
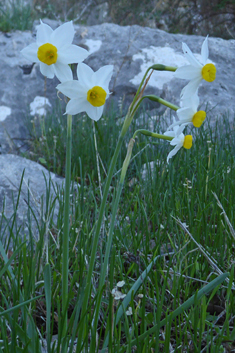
x: 157, y: 67
x: 125, y: 127
x: 155, y: 99
x: 65, y: 249
x: 110, y: 239
x: 138, y: 91
x: 97, y: 233
x: 131, y: 112
x: 114, y: 210
x: 162, y: 101
x: 127, y: 160
x: 160, y: 67
x: 152, y: 134
x: 113, y: 218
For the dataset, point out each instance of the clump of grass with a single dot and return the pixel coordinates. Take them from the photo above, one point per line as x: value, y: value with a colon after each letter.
x: 48, y: 142
x: 145, y: 230
x: 15, y: 14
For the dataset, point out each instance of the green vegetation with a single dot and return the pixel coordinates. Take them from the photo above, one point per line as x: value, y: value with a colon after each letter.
x: 191, y: 17
x: 155, y: 273
x: 15, y: 14
x: 146, y: 229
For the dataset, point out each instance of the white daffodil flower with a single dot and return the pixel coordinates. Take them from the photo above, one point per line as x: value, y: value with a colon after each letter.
x: 88, y: 93
x: 195, y: 72
x: 179, y: 140
x: 188, y: 113
x: 54, y: 50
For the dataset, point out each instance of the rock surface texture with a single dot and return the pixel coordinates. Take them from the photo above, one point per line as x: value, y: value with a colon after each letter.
x: 32, y: 188
x: 131, y: 50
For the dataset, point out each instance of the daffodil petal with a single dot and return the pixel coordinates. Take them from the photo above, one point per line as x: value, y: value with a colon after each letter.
x: 188, y: 72
x: 94, y: 113
x: 172, y: 126
x: 63, y: 72
x: 71, y: 89
x: 103, y: 76
x: 178, y: 140
x: 185, y: 113
x: 43, y: 33
x: 84, y: 73
x: 179, y: 130
x: 62, y: 37
x: 191, y: 88
x: 47, y: 70
x: 73, y: 54
x: 175, y: 127
x: 30, y: 52
x: 192, y: 101
x: 189, y: 55
x: 75, y: 106
x: 205, y: 51
x: 173, y: 152
x: 169, y: 133
x: 172, y: 133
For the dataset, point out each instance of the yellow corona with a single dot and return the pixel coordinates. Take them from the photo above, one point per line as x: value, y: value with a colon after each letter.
x: 47, y: 53
x: 188, y: 142
x: 96, y: 96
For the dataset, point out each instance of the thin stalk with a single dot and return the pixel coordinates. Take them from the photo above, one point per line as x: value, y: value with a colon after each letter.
x: 125, y: 127
x: 138, y: 91
x: 159, y: 100
x: 155, y: 99
x: 114, y: 212
x: 152, y: 134
x: 65, y: 249
x: 97, y: 233
x: 157, y: 67
x: 207, y: 174
x: 110, y: 238
x: 131, y: 112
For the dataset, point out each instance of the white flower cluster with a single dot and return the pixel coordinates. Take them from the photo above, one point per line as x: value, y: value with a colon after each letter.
x: 188, y: 113
x: 54, y: 52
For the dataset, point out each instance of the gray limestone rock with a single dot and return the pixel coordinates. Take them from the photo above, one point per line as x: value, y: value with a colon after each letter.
x: 131, y: 50
x: 28, y: 194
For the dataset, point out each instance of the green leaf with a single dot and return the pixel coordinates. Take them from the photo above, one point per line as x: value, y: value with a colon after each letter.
x: 186, y: 305
x: 18, y: 306
x: 47, y: 282
x: 131, y: 292
x: 5, y: 268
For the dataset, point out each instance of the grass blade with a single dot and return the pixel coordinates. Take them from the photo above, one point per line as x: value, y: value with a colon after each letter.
x: 47, y: 283
x: 131, y: 293
x: 5, y: 267
x: 217, y: 281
